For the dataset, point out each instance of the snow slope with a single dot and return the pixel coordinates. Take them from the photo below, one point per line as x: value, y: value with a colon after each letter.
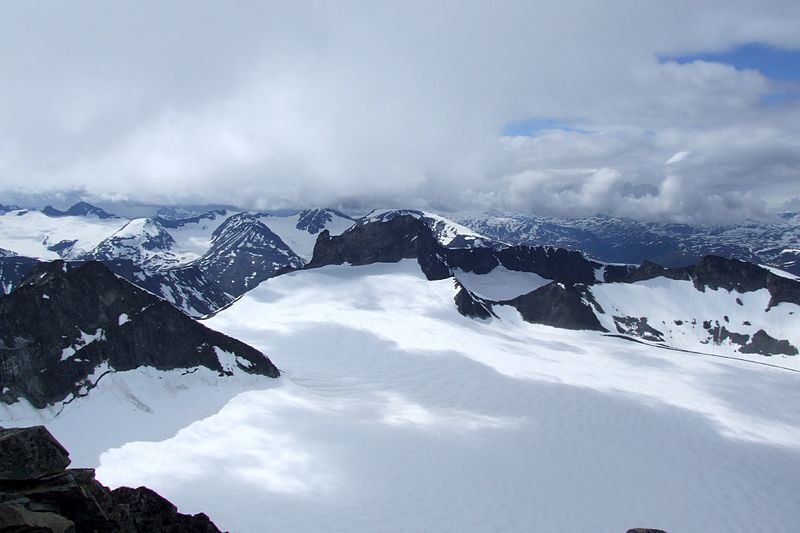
x: 500, y: 283
x: 192, y: 236
x: 395, y: 413
x: 678, y: 310
x: 302, y: 240
x: 135, y: 405
x: 30, y: 233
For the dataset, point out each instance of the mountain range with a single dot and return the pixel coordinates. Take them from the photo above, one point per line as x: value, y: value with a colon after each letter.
x: 422, y: 342
x: 202, y: 263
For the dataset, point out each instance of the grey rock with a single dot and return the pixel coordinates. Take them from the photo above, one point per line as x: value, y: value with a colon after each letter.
x: 65, y: 501
x: 764, y: 344
x: 30, y: 453
x: 17, y: 519
x: 558, y: 305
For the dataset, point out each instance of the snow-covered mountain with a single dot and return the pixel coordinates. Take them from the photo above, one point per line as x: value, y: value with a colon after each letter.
x: 40, y: 236
x: 202, y: 263
x: 244, y: 252
x: 447, y: 232
x: 198, y: 263
x: 620, y: 240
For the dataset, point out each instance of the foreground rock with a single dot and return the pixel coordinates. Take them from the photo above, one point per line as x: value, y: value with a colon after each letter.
x: 30, y: 453
x: 66, y: 326
x: 36, y: 494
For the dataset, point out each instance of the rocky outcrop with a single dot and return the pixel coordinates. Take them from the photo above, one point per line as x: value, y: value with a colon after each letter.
x: 402, y: 237
x: 628, y: 325
x: 65, y: 326
x: 558, y: 305
x: 38, y: 493
x: 30, y: 453
x: 470, y: 305
x: 714, y: 272
x: 764, y: 344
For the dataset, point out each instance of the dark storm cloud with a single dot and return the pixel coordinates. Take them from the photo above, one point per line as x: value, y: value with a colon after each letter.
x: 359, y: 103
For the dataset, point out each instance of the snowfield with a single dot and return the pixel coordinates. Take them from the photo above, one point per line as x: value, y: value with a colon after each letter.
x: 30, y: 233
x: 395, y: 413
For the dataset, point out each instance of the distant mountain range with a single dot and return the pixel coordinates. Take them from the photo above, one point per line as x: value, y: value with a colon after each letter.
x: 622, y: 240
x: 600, y: 273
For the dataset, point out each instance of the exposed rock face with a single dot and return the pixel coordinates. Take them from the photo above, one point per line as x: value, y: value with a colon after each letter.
x: 13, y: 270
x: 551, y: 263
x: 470, y: 305
x: 558, y: 305
x: 185, y: 287
x: 30, y: 453
x: 764, y: 344
x: 638, y: 327
x: 409, y: 237
x: 402, y: 237
x: 64, y: 326
x: 715, y: 272
x: 314, y: 220
x: 48, y: 498
x: 244, y: 252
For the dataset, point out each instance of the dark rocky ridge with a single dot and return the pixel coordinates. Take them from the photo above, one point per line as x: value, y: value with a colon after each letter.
x: 79, y: 209
x: 470, y: 305
x: 403, y: 237
x: 408, y: 237
x: 39, y: 494
x: 187, y: 287
x: 64, y: 322
x: 558, y: 305
x: 716, y: 272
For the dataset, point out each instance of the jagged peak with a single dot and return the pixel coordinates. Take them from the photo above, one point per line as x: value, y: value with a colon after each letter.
x: 315, y: 220
x: 174, y: 223
x: 79, y: 209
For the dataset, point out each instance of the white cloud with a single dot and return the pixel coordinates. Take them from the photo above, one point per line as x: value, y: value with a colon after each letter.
x: 272, y: 105
x: 677, y: 157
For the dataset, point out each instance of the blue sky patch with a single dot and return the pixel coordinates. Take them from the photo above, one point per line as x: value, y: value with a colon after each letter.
x: 531, y: 126
x: 775, y: 63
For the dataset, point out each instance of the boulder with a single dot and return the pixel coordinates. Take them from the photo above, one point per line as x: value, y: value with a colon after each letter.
x: 30, y: 453
x: 15, y: 518
x: 38, y: 494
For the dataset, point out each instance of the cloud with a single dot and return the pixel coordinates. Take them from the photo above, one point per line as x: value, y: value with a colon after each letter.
x: 677, y: 157
x: 357, y: 104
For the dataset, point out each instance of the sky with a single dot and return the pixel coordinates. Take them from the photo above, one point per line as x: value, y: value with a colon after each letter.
x: 683, y: 110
